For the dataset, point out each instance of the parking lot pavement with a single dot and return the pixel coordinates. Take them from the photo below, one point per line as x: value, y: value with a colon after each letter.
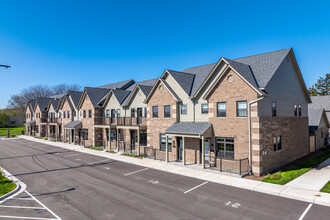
x: 82, y: 186
x: 25, y: 206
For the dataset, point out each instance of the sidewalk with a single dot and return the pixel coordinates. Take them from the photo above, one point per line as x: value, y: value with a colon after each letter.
x: 307, y: 195
x: 314, y: 179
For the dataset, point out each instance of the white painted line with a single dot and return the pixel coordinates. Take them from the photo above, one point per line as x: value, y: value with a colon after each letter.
x: 305, y: 212
x: 195, y: 187
x: 58, y: 218
x: 127, y: 174
x: 20, y: 207
x: 22, y: 217
x: 71, y: 155
x: 98, y: 161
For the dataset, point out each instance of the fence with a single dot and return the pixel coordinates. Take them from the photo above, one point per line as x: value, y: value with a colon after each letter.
x: 239, y: 166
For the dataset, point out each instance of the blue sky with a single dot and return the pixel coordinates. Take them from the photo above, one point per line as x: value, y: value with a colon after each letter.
x: 98, y: 42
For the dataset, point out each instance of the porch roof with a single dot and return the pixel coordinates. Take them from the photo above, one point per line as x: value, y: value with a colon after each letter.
x: 73, y: 124
x: 32, y: 122
x: 189, y: 128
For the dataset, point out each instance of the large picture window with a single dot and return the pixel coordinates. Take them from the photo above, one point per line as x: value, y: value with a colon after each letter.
x: 225, y: 147
x: 163, y: 143
x: 221, y: 109
x: 241, y: 109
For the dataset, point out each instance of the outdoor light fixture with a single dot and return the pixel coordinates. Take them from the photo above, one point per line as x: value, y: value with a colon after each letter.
x: 5, y: 66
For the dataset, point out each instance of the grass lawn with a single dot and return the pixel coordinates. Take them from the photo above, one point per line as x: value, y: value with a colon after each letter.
x: 12, y: 131
x: 284, y: 176
x: 326, y: 188
x: 6, y: 185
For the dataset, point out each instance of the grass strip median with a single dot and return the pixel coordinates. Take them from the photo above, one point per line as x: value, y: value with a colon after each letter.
x: 326, y: 188
x: 6, y: 185
x: 284, y: 176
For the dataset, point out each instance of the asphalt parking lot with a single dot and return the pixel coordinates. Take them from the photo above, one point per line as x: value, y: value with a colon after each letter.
x: 74, y: 185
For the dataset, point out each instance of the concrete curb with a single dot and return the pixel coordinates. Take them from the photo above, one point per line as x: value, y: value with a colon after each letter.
x: 20, y: 187
x: 262, y: 187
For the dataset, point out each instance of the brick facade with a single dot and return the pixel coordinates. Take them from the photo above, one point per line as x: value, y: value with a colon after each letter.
x: 88, y: 123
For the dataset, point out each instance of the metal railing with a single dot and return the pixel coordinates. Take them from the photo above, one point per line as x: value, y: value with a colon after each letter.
x: 121, y: 121
x: 239, y: 166
x: 55, y: 120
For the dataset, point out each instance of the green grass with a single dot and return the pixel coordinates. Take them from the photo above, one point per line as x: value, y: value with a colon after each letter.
x: 12, y: 131
x: 326, y: 188
x: 130, y: 155
x: 284, y: 176
x: 6, y: 185
x: 53, y: 140
x: 95, y: 148
x: 40, y: 137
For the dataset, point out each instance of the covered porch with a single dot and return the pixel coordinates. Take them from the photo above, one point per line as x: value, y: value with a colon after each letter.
x: 30, y: 128
x: 73, y: 132
x: 190, y: 142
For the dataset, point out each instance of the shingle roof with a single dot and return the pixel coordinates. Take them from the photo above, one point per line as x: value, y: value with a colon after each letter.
x: 195, y: 128
x: 314, y: 116
x: 43, y: 103
x: 118, y: 85
x: 75, y: 96
x: 95, y: 94
x: 31, y: 104
x: 145, y: 89
x: 30, y: 122
x: 55, y: 103
x: 185, y: 80
x: 72, y: 124
x: 321, y: 102
x: 171, y: 90
x: 120, y: 94
x: 262, y: 68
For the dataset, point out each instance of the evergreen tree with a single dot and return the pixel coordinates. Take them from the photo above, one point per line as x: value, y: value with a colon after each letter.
x: 321, y: 87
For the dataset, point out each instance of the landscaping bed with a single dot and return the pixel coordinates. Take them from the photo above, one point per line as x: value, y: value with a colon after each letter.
x: 95, y: 148
x: 326, y: 188
x: 6, y: 185
x: 131, y: 155
x: 297, y: 168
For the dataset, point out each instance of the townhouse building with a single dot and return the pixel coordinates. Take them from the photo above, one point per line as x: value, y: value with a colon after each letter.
x: 240, y: 115
x: 30, y: 121
x: 54, y: 122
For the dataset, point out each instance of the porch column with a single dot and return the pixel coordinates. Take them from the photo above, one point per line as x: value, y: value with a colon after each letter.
x: 94, y: 139
x: 138, y: 140
x: 166, y: 140
x: 109, y: 137
x: 74, y: 136
x: 69, y: 136
x: 203, y: 152
x: 183, y: 152
x: 117, y: 139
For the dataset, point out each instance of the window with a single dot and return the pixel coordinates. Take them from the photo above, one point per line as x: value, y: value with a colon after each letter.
x: 241, y: 109
x: 84, y: 114
x: 295, y: 109
x: 60, y: 115
x: 63, y: 114
x: 143, y: 138
x: 132, y: 112
x: 107, y: 132
x: 205, y: 108
x: 145, y: 112
x: 299, y: 110
x: 112, y: 135
x: 90, y: 113
x: 167, y: 111
x: 277, y: 142
x: 163, y: 143
x: 221, y: 109
x: 322, y: 134
x: 183, y: 109
x: 67, y: 132
x: 118, y: 113
x: 85, y: 133
x: 225, y: 147
x: 74, y: 113
x: 107, y: 114
x: 155, y: 111
x: 274, y: 109
x: 68, y: 114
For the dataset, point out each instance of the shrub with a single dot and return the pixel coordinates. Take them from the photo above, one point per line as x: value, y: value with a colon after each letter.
x: 53, y: 140
x: 95, y: 148
x: 130, y: 155
x: 45, y: 138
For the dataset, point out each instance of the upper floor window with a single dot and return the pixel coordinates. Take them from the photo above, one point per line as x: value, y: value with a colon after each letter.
x: 295, y: 110
x: 299, y: 110
x: 60, y: 114
x: 241, y: 109
x: 90, y: 113
x: 221, y: 109
x: 118, y: 113
x: 277, y: 143
x: 84, y: 114
x: 205, y: 108
x: 274, y: 109
x: 68, y: 114
x: 167, y: 111
x: 145, y: 112
x: 155, y: 111
x: 107, y: 113
x: 63, y: 114
x: 132, y: 112
x: 74, y: 113
x: 183, y: 109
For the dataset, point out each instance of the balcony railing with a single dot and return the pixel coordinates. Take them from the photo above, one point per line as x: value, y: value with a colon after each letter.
x: 122, y: 121
x: 43, y: 120
x: 55, y: 120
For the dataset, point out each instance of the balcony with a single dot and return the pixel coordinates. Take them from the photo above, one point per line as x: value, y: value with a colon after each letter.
x: 55, y: 120
x: 132, y: 121
x: 102, y: 121
x: 43, y: 120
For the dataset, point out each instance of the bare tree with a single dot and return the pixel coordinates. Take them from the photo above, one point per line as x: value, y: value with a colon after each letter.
x: 63, y: 88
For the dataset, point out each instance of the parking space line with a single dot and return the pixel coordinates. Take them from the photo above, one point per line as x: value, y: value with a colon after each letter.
x: 305, y: 212
x: 195, y: 187
x: 22, y: 217
x: 71, y: 155
x: 127, y: 174
x: 50, y: 211
x: 20, y: 207
x: 98, y: 161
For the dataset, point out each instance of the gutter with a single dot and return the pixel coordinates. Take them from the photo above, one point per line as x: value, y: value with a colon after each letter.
x: 249, y: 124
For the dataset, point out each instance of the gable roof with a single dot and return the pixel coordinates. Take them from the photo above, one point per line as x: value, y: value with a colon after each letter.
x: 118, y: 85
x: 75, y: 96
x: 185, y: 80
x: 120, y: 94
x: 43, y: 103
x: 177, y: 98
x: 321, y: 102
x: 95, y: 94
x: 55, y: 103
x: 31, y: 104
x: 144, y: 89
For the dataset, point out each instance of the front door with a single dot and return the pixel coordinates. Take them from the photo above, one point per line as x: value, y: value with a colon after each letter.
x: 207, y: 150
x: 132, y: 139
x: 72, y: 135
x: 179, y: 148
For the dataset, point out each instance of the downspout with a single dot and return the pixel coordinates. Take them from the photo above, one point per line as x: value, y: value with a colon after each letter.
x: 249, y: 124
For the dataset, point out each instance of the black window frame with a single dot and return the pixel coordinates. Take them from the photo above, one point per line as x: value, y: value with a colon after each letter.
x: 163, y: 145
x: 64, y: 115
x: 277, y: 143
x: 295, y: 110
x: 228, y: 144
x: 89, y: 113
x: 203, y: 109
x: 299, y: 110
x: 155, y: 111
x: 167, y: 114
x: 274, y: 109
x: 182, y: 110
x: 68, y: 114
x: 84, y: 114
x: 132, y: 112
x: 85, y: 134
x: 238, y: 109
x: 224, y: 113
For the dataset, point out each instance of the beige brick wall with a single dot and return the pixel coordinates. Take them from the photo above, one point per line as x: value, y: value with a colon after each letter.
x: 88, y: 123
x: 65, y: 108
